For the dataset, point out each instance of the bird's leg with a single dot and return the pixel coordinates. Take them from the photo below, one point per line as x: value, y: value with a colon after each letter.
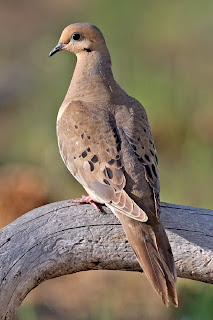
x: 86, y: 199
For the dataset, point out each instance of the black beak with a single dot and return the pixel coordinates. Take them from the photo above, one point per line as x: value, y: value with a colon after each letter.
x: 59, y: 47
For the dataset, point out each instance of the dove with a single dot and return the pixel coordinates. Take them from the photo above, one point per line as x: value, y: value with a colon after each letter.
x: 106, y: 143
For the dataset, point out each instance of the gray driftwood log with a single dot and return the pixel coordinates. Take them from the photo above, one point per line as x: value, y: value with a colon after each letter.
x: 63, y: 238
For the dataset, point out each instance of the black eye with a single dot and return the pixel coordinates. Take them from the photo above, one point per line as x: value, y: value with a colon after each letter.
x: 76, y: 36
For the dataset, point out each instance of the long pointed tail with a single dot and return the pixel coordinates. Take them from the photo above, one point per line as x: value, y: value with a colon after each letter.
x: 152, y: 248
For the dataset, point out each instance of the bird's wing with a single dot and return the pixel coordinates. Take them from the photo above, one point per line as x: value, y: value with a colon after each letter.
x: 134, y: 128
x: 90, y: 146
x: 148, y: 240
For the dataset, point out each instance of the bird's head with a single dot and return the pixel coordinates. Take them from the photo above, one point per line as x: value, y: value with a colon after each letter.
x: 80, y: 38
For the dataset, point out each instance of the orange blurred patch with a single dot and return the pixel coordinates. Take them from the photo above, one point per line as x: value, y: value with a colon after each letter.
x: 22, y: 189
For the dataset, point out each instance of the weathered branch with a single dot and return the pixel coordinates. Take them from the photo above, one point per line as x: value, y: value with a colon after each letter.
x: 63, y: 238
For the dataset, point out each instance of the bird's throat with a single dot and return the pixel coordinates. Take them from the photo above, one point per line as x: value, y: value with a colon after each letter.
x: 92, y: 71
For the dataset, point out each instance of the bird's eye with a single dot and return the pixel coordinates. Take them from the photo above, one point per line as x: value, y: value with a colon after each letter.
x: 76, y: 36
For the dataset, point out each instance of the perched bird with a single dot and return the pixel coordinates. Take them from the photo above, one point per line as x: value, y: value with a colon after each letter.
x: 106, y: 143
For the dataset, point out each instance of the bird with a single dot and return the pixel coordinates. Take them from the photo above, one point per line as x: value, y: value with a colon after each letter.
x: 106, y: 143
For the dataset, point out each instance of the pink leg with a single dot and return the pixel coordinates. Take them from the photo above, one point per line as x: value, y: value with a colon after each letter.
x: 86, y: 199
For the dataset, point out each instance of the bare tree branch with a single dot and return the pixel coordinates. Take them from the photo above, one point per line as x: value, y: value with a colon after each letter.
x: 63, y: 238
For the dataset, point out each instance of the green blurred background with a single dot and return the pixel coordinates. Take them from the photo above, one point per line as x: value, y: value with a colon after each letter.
x: 162, y: 55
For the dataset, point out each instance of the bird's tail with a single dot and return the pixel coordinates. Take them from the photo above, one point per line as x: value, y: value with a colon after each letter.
x: 152, y: 248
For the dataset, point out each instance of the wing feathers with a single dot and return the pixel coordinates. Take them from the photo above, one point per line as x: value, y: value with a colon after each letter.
x: 125, y: 205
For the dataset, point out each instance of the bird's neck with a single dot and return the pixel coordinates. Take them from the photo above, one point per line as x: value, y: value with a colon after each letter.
x: 92, y: 71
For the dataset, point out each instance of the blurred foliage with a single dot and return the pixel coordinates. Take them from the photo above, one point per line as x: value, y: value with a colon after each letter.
x: 196, y: 303
x: 162, y: 55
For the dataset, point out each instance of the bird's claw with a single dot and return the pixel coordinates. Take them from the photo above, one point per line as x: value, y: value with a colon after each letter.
x: 86, y: 199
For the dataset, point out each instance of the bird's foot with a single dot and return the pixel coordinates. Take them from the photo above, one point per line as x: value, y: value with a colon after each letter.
x: 86, y: 199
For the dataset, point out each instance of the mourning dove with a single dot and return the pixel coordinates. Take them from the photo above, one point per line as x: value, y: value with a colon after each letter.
x: 106, y: 143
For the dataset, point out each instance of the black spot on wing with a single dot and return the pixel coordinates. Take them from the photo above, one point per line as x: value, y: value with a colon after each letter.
x: 118, y: 147
x: 108, y: 172
x: 147, y: 157
x: 148, y: 171
x: 117, y: 139
x: 94, y: 159
x: 151, y: 142
x: 141, y: 160
x: 91, y: 166
x: 154, y: 170
x: 106, y: 181
x: 84, y: 154
x: 116, y: 136
x: 152, y: 153
x: 133, y: 147
x: 111, y: 162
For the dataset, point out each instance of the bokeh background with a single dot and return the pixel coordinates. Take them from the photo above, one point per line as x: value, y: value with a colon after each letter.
x: 162, y: 55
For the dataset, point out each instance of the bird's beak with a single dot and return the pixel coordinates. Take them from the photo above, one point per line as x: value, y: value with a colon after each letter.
x: 59, y: 47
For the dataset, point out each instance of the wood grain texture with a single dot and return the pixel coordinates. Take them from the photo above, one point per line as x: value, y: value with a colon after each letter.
x: 63, y: 238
